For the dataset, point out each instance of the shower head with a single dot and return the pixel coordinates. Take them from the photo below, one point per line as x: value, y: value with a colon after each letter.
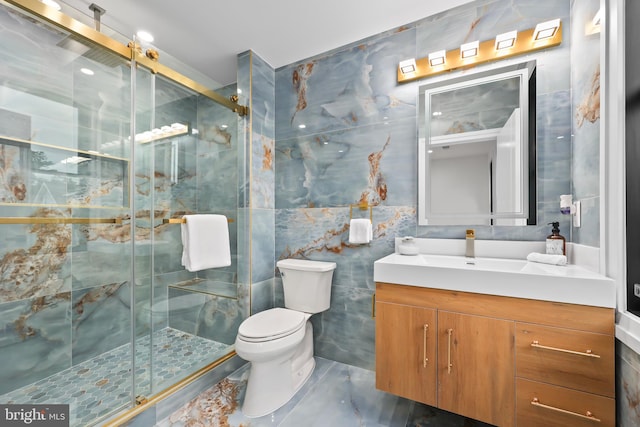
x: 82, y: 47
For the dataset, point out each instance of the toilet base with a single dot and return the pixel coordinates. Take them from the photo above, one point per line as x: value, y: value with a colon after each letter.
x: 272, y: 384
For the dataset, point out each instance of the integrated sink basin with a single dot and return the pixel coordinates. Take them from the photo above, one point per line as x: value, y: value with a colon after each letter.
x: 498, y: 276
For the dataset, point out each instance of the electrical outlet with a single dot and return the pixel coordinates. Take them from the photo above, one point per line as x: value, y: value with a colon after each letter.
x: 636, y: 289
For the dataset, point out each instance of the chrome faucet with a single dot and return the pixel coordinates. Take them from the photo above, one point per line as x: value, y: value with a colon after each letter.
x: 470, y: 240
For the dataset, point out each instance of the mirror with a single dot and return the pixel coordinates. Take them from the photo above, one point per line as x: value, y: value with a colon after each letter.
x: 477, y: 148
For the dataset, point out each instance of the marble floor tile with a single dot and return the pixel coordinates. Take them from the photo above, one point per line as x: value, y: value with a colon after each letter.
x: 336, y: 395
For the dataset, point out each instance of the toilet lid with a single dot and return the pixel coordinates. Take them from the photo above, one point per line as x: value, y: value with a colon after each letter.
x: 271, y: 324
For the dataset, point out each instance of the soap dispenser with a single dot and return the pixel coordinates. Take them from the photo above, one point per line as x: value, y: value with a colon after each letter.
x: 556, y: 243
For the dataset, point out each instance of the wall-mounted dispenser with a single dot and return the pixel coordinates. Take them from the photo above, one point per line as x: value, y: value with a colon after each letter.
x: 569, y: 207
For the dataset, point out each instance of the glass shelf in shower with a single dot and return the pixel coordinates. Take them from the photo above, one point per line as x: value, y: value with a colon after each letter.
x: 38, y: 174
x: 208, y: 286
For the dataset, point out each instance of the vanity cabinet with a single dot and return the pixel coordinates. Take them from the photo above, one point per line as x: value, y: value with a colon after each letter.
x: 501, y: 360
x: 475, y: 367
x: 407, y: 366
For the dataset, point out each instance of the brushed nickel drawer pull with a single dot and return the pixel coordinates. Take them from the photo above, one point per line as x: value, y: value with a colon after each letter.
x: 588, y: 416
x: 425, y: 329
x: 449, y: 365
x: 587, y: 353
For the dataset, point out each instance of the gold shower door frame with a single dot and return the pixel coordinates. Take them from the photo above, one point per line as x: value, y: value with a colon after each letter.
x: 149, y: 61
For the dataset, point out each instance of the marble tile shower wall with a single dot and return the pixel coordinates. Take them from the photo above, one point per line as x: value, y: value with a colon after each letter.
x: 358, y: 143
x: 65, y: 289
x: 59, y: 284
x: 207, y: 182
x: 258, y: 79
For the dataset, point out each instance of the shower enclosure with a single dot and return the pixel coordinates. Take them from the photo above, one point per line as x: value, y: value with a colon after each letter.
x: 102, y: 151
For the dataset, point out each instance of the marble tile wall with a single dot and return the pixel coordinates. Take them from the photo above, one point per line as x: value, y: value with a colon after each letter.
x: 585, y: 76
x: 66, y: 290
x: 627, y: 386
x: 260, y: 180
x: 346, y: 132
x: 63, y: 288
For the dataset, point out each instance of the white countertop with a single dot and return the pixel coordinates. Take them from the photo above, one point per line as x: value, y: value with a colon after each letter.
x: 498, y: 276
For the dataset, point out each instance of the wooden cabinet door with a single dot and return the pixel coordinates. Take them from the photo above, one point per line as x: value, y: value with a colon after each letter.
x: 476, y: 367
x: 406, y: 351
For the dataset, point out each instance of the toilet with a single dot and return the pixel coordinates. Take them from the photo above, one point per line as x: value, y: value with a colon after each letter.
x: 279, y: 342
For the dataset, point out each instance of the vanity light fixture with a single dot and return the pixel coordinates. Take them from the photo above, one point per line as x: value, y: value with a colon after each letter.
x: 545, y: 30
x: 469, y: 50
x: 437, y: 58
x: 408, y: 66
x: 506, y: 40
x: 545, y: 35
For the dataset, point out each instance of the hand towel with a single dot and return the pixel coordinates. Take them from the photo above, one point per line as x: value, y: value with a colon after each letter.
x: 205, y: 242
x: 547, y: 259
x: 360, y: 231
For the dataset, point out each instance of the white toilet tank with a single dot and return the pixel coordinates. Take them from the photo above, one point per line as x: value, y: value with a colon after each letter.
x: 307, y: 284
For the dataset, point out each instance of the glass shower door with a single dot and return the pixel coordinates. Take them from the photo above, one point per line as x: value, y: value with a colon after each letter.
x: 65, y: 277
x: 186, y: 162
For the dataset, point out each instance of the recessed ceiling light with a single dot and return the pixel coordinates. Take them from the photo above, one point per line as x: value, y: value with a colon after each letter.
x: 87, y: 71
x: 302, y: 126
x: 52, y: 4
x: 145, y: 36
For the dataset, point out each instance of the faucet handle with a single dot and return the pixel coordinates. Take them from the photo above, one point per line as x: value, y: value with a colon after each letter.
x: 471, y: 234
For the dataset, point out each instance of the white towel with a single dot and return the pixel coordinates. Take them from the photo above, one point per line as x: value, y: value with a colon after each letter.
x: 205, y: 242
x: 547, y: 259
x: 360, y: 231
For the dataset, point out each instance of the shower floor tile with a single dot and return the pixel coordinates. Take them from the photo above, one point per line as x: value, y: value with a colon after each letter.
x: 99, y: 386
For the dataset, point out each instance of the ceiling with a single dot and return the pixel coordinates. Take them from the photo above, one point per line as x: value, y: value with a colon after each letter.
x: 208, y: 34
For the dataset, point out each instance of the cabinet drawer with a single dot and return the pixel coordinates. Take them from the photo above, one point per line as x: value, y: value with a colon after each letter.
x: 544, y: 405
x: 574, y: 359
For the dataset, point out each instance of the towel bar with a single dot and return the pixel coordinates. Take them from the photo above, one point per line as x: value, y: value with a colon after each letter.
x: 59, y: 220
x: 182, y: 220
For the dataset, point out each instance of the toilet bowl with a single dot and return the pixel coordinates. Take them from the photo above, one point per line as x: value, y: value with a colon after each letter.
x: 279, y: 342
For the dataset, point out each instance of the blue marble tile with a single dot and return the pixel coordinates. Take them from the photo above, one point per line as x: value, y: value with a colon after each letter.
x: 335, y: 394
x: 374, y: 163
x: 35, y: 339
x: 323, y: 234
x: 262, y: 296
x: 101, y: 319
x: 262, y: 244
x: 349, y: 399
x: 263, y: 173
x: 627, y: 386
x: 348, y: 88
x: 346, y: 332
x: 263, y: 97
x: 41, y: 267
x: 585, y: 74
x: 208, y: 316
